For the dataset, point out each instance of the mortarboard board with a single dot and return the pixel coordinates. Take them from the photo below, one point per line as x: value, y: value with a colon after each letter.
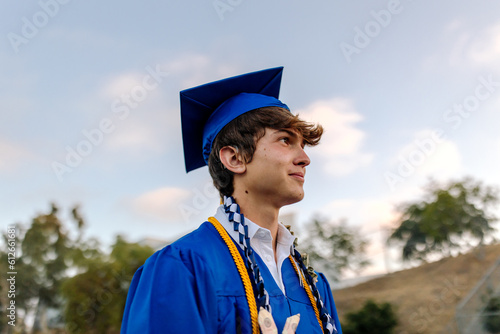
x: 206, y: 109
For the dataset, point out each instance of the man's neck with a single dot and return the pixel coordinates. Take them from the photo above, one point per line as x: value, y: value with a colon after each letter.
x: 260, y: 212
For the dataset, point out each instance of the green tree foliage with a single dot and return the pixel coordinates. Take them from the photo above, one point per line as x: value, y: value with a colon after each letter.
x: 59, y: 269
x: 334, y: 248
x: 455, y: 216
x: 45, y: 249
x: 93, y: 303
x: 371, y: 318
x: 95, y: 299
x: 45, y: 252
x: 491, y: 318
x: 128, y: 257
x: 44, y: 259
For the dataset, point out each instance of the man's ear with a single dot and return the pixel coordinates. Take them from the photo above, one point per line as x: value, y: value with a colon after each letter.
x: 232, y: 160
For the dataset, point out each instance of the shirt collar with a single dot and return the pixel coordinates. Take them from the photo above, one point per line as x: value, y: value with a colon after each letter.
x: 254, y: 231
x: 284, y: 236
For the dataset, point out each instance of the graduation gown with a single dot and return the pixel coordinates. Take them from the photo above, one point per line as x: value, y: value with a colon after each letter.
x: 193, y: 286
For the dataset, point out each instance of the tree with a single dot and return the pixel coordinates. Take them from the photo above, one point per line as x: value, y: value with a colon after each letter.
x: 59, y: 269
x: 46, y: 253
x: 491, y: 318
x: 371, y: 318
x: 95, y: 299
x: 45, y: 250
x: 455, y: 216
x: 334, y: 247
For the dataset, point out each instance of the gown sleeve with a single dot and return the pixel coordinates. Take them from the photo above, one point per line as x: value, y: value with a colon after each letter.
x: 171, y: 293
x: 327, y: 297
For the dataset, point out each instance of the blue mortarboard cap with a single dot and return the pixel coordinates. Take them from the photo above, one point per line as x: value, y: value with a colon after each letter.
x: 206, y: 109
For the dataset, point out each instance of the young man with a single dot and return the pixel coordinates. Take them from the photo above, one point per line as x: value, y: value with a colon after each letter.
x: 240, y: 264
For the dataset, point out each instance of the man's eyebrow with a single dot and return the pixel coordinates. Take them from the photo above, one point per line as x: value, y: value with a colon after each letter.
x: 289, y: 132
x: 292, y: 134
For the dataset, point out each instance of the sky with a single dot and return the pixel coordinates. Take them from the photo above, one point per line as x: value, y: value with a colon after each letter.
x: 406, y: 91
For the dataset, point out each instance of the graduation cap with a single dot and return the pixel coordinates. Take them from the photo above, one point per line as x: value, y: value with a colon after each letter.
x: 206, y: 109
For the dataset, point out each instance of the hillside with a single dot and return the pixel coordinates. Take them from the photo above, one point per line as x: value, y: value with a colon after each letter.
x: 425, y: 297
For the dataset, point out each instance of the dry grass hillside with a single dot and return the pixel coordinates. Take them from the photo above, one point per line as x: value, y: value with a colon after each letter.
x: 424, y: 297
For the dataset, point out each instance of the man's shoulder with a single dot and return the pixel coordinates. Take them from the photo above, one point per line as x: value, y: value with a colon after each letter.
x: 200, y: 243
x: 201, y: 250
x: 204, y: 234
x: 189, y: 240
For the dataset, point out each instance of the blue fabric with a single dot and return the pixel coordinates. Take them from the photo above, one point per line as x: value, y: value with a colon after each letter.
x: 193, y: 286
x: 229, y: 110
x: 327, y: 321
x: 238, y: 220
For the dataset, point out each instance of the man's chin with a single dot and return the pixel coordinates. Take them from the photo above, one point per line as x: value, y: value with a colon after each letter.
x: 295, y: 199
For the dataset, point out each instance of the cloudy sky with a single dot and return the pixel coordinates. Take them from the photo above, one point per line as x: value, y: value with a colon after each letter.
x: 406, y: 90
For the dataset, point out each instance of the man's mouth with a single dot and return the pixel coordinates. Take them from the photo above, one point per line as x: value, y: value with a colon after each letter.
x: 299, y: 176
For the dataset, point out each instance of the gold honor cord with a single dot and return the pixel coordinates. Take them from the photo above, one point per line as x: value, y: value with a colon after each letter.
x: 308, y: 291
x: 242, y: 270
x: 245, y: 278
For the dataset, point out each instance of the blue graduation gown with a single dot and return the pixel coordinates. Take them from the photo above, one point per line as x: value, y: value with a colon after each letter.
x: 193, y: 286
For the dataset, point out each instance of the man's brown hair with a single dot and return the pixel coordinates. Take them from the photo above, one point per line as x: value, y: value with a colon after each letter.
x: 244, y: 132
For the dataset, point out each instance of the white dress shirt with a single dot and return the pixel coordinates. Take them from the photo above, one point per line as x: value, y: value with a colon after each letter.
x: 261, y: 242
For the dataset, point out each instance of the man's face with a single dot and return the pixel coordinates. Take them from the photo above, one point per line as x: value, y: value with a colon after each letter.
x: 277, y: 170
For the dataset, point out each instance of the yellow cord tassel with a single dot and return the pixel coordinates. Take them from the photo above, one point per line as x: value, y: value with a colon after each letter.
x: 247, y: 284
x: 308, y: 291
x: 240, y: 265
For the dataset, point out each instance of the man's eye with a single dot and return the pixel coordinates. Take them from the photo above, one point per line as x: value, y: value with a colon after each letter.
x: 285, y: 140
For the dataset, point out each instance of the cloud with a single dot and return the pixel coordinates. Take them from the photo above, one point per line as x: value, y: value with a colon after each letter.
x: 140, y: 111
x: 490, y: 170
x: 192, y: 69
x: 464, y: 47
x: 428, y: 155
x: 13, y: 156
x: 454, y: 25
x: 485, y: 48
x: 121, y: 84
x: 341, y: 145
x: 145, y: 107
x: 136, y: 138
x: 87, y: 38
x: 446, y: 162
x: 457, y: 50
x: 163, y: 204
x: 184, y: 71
x: 372, y: 219
x: 477, y: 48
x: 371, y: 215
